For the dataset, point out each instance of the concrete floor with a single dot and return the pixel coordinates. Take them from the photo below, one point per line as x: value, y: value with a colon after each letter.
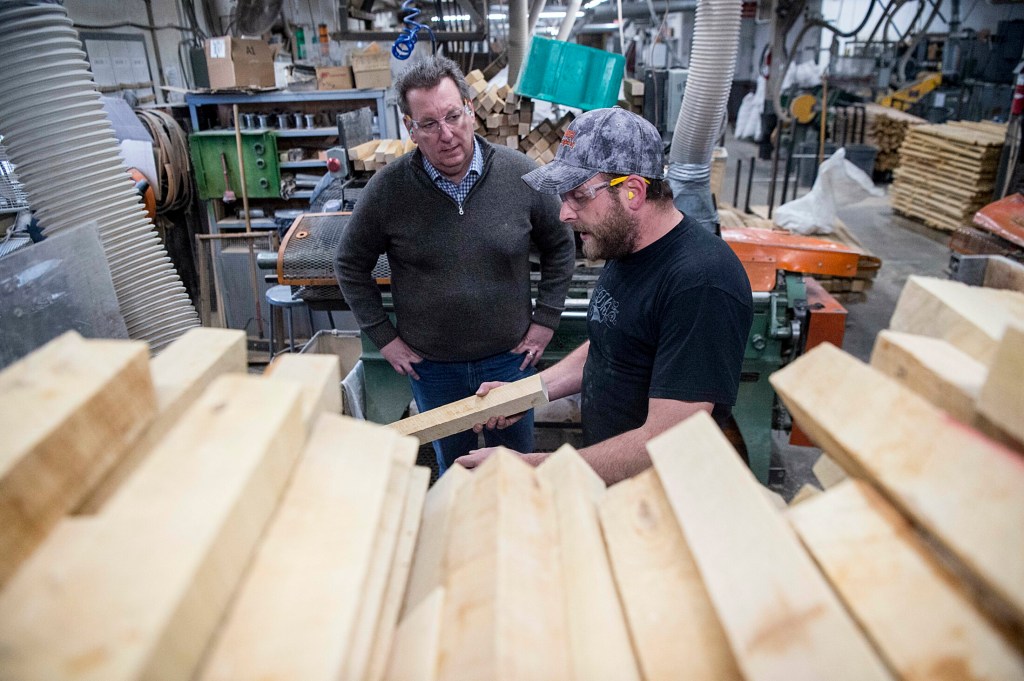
x: 905, y: 248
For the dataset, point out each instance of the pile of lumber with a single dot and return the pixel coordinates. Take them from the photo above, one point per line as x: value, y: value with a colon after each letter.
x: 261, y: 535
x: 375, y: 154
x: 502, y: 116
x: 542, y: 143
x: 886, y: 129
x: 947, y: 172
x: 633, y: 95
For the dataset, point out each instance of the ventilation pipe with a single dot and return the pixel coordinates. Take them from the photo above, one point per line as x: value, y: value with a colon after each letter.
x: 61, y: 140
x: 565, y: 29
x: 716, y: 35
x: 518, y: 37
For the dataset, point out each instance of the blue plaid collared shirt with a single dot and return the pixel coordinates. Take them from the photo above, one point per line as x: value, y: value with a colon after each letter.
x: 459, y: 191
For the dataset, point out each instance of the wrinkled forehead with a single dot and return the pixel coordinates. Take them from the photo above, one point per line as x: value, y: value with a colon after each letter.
x: 434, y: 103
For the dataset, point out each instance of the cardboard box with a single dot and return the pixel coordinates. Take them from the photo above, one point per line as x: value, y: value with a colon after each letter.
x: 239, y: 63
x: 334, y: 78
x: 371, y: 67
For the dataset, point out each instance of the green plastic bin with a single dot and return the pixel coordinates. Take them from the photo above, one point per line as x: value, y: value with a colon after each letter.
x: 571, y: 74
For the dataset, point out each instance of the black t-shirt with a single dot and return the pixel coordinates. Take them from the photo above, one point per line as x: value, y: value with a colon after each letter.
x: 669, y: 321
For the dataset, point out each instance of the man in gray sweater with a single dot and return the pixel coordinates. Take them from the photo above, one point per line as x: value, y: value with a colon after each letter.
x: 456, y: 222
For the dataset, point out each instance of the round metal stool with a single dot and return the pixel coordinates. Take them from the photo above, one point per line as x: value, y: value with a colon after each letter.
x: 281, y: 296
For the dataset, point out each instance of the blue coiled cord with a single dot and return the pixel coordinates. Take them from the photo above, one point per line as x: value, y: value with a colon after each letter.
x: 406, y: 42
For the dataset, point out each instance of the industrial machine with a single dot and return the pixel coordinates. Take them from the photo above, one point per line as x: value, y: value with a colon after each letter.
x: 791, y: 314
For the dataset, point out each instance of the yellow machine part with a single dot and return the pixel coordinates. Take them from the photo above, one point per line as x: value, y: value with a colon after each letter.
x: 802, y: 108
x: 906, y: 97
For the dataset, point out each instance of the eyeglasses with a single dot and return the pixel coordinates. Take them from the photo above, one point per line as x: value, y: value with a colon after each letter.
x: 430, y: 126
x: 580, y: 196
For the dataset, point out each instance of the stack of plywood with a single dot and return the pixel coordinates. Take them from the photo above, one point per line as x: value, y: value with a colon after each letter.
x: 947, y: 172
x: 886, y: 129
x: 260, y: 535
x: 375, y: 154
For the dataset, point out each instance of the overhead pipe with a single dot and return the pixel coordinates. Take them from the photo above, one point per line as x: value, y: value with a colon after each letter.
x: 58, y: 135
x: 518, y: 37
x: 716, y: 35
x: 636, y: 10
x: 565, y: 29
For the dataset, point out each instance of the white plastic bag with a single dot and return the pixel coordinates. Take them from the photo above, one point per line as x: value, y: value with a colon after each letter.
x: 748, y: 118
x: 839, y: 183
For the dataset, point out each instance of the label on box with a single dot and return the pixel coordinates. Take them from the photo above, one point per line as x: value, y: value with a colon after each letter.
x: 218, y: 48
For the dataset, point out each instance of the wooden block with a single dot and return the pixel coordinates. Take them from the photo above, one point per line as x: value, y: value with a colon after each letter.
x: 922, y: 624
x: 970, y: 317
x: 409, y: 146
x: 915, y: 454
x: 456, y: 417
x: 180, y: 374
x: 319, y: 377
x: 934, y: 369
x: 142, y: 594
x: 493, y: 121
x: 427, y: 573
x: 803, y: 494
x: 294, y: 616
x: 1002, y: 396
x: 547, y: 156
x: 398, y: 579
x: 68, y: 413
x: 363, y: 151
x: 535, y: 136
x: 632, y: 87
x: 599, y: 646
x: 504, y: 91
x: 523, y: 130
x: 674, y: 627
x: 780, y: 616
x: 475, y: 76
x: 512, y: 142
x: 513, y: 119
x: 381, y: 152
x: 504, y: 585
x: 361, y: 644
x: 418, y: 641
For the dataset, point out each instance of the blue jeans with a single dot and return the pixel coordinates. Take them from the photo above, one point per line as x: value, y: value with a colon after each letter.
x: 441, y: 383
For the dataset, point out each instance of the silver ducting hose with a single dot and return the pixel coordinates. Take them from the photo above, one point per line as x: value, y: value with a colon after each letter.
x: 716, y: 34
x: 518, y: 37
x: 59, y: 137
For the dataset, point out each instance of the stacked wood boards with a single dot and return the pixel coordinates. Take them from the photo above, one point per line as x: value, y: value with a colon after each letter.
x: 886, y: 129
x: 947, y: 172
x: 266, y: 537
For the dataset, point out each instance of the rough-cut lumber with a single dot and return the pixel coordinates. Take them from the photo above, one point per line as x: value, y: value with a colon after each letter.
x: 180, y: 374
x: 427, y: 572
x: 827, y: 471
x: 599, y: 646
x: 295, y: 613
x: 780, y: 616
x: 320, y: 378
x: 674, y: 627
x: 417, y: 641
x: 970, y: 317
x: 961, y: 488
x: 139, y: 596
x: 1001, y: 400
x: 385, y: 544
x: 398, y: 578
x: 922, y: 624
x: 504, y: 611
x: 934, y: 369
x: 68, y: 412
x: 456, y: 417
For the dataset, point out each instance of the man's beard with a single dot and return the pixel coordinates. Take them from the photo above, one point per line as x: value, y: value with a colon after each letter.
x: 614, y: 237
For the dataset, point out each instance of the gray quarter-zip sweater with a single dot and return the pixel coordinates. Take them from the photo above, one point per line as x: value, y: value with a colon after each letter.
x: 460, y: 275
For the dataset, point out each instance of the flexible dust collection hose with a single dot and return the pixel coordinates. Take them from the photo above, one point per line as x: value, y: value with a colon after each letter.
x: 716, y: 34
x: 58, y: 134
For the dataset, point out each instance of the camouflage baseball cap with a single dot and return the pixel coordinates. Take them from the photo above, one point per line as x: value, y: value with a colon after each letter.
x: 612, y: 141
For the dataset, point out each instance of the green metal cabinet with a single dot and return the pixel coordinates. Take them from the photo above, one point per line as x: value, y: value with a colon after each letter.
x: 259, y: 153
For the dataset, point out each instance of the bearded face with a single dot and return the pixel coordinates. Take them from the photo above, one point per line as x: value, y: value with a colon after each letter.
x: 615, y: 236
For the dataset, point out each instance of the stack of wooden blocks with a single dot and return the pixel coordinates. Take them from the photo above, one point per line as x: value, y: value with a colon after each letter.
x: 633, y: 93
x: 542, y: 143
x: 886, y: 129
x: 502, y: 116
x: 375, y: 154
x: 947, y: 172
x: 245, y: 530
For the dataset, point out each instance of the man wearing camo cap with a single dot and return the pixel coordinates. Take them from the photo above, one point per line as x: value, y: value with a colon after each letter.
x: 669, y: 317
